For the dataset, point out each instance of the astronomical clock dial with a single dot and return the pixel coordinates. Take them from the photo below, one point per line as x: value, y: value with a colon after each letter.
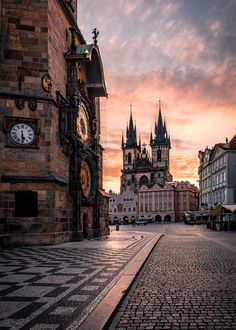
x: 83, y: 124
x: 22, y: 134
x: 85, y: 179
x: 144, y: 155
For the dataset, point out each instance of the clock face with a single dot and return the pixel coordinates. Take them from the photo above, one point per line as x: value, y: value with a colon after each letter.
x: 22, y: 134
x: 82, y: 124
x: 144, y: 156
x: 85, y: 179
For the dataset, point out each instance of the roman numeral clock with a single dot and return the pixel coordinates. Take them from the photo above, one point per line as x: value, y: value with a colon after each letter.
x: 21, y: 132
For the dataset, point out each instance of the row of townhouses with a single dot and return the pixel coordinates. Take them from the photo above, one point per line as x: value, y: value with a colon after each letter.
x: 217, y: 174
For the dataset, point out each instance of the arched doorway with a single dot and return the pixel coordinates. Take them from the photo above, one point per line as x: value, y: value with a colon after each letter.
x: 167, y: 218
x: 125, y: 220
x: 85, y: 225
x: 143, y: 180
x: 158, y: 218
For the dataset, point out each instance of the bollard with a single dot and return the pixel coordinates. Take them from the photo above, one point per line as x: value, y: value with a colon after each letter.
x: 117, y: 227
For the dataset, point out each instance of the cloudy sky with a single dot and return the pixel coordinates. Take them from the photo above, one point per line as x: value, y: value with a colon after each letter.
x: 182, y: 52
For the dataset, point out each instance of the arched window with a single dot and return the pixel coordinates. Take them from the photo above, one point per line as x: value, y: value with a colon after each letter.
x: 143, y: 180
x: 129, y: 158
x: 158, y: 155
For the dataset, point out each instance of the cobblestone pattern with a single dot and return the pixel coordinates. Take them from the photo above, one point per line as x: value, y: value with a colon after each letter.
x: 186, y: 284
x: 54, y: 288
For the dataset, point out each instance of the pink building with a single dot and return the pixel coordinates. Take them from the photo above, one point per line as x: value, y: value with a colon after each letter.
x: 167, y: 202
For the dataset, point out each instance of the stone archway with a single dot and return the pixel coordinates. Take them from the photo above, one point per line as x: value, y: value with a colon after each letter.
x: 143, y: 180
x: 85, y: 225
x: 167, y: 218
x: 125, y: 220
x: 158, y: 218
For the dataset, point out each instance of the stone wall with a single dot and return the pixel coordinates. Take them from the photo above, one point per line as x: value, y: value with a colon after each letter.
x: 27, y: 53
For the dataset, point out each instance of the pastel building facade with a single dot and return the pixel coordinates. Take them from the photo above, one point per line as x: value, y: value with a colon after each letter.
x: 217, y: 174
x: 123, y: 207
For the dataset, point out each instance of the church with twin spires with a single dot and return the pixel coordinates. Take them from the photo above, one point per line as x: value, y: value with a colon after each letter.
x: 139, y: 166
x: 147, y: 189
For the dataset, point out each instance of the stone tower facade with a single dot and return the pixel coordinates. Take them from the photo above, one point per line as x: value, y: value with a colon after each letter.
x: 160, y: 146
x: 51, y: 157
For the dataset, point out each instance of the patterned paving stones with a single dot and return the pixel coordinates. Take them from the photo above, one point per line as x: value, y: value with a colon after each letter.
x: 57, y: 287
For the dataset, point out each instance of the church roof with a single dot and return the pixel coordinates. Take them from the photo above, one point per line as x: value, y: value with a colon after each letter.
x: 131, y: 136
x: 161, y: 136
x: 94, y: 70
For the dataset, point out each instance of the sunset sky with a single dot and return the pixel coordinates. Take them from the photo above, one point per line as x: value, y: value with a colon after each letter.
x: 183, y: 52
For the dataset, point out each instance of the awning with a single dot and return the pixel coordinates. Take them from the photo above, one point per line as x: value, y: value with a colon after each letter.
x: 223, y: 209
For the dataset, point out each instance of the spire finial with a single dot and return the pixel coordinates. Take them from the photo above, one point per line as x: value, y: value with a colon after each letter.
x: 159, y: 104
x: 95, y: 35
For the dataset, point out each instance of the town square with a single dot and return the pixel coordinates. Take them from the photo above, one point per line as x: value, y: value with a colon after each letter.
x: 117, y: 164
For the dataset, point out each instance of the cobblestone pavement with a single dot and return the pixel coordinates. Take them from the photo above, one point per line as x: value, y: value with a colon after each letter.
x: 57, y: 287
x: 188, y: 282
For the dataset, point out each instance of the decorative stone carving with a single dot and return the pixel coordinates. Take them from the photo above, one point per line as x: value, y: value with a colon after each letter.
x: 20, y: 103
x: 32, y: 104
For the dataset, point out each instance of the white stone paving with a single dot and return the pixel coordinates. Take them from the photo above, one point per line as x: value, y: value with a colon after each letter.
x: 31, y: 291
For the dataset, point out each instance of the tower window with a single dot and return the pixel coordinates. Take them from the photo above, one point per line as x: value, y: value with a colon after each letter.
x: 129, y: 158
x: 143, y: 180
x: 158, y: 155
x: 26, y: 204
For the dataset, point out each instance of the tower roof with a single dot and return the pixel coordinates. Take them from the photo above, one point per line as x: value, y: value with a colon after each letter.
x: 161, y: 136
x: 131, y: 137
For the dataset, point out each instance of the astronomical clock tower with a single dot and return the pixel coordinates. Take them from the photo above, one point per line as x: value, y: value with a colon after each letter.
x: 51, y: 157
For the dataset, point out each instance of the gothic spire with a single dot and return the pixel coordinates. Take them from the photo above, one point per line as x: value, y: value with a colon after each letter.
x: 160, y: 129
x: 151, y: 139
x: 131, y: 140
x: 122, y: 141
x: 139, y: 144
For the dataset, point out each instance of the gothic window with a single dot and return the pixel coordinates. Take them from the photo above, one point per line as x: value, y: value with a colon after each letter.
x: 133, y: 178
x: 143, y: 180
x: 158, y: 155
x: 129, y: 158
x: 128, y: 183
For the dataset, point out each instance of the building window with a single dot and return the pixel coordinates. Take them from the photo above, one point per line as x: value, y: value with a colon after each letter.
x: 26, y: 204
x: 143, y: 181
x: 129, y: 158
x: 134, y: 209
x: 159, y: 155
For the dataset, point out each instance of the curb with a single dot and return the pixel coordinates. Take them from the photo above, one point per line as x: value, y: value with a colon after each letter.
x: 103, y: 312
